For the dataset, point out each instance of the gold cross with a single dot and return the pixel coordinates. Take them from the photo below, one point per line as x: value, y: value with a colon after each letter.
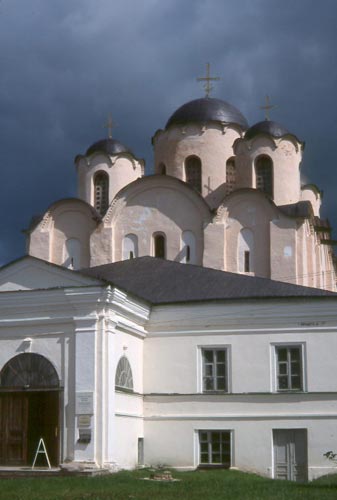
x: 110, y: 125
x: 207, y: 79
x: 267, y: 107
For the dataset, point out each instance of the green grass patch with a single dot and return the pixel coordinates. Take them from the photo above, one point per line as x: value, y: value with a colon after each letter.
x: 197, y: 485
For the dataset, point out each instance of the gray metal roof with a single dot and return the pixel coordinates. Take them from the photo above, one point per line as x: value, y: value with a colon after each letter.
x: 161, y: 281
x: 108, y: 146
x: 207, y: 109
x: 267, y: 127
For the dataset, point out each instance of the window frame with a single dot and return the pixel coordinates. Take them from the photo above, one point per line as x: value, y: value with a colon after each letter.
x: 154, y: 238
x: 124, y: 388
x: 193, y: 172
x: 264, y: 183
x: 301, y: 346
x: 201, y: 363
x: 210, y: 451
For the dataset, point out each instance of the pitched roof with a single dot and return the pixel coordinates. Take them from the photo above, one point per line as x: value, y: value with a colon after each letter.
x: 161, y: 281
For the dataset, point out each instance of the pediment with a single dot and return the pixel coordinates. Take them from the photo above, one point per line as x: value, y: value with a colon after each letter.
x: 30, y: 273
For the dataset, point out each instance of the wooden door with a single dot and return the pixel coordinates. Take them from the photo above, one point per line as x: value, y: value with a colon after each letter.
x: 13, y: 429
x: 290, y: 454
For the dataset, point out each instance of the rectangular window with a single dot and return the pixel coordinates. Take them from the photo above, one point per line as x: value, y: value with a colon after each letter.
x: 289, y: 368
x: 214, y: 370
x: 215, y: 448
x: 247, y: 261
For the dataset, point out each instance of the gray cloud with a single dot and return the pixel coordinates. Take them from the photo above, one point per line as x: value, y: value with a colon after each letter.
x: 65, y: 65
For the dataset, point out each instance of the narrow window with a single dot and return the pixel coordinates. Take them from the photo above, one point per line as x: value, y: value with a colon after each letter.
x: 130, y: 246
x: 264, y: 175
x: 247, y: 263
x: 72, y: 253
x: 162, y: 169
x: 230, y: 175
x: 246, y: 251
x: 289, y: 368
x: 123, y: 379
x: 159, y: 246
x: 214, y: 370
x: 193, y: 172
x: 101, y: 192
x: 215, y: 448
x: 188, y: 252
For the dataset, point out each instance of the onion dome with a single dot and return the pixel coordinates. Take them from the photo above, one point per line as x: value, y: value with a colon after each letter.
x: 108, y: 146
x: 207, y: 109
x: 267, y: 127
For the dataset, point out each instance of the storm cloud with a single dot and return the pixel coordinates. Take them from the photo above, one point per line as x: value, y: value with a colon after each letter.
x: 67, y: 64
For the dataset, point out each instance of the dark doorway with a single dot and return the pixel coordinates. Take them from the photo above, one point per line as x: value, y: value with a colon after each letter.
x: 29, y: 410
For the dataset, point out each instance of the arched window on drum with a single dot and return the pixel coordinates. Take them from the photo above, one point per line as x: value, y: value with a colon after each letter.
x: 264, y: 175
x: 193, y: 172
x: 101, y: 192
x: 230, y: 175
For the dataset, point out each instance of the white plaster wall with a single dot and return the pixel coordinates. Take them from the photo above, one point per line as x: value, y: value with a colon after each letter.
x: 286, y: 156
x: 247, y: 210
x: 174, y: 441
x: 212, y: 143
x: 122, y: 170
x: 312, y: 195
x: 172, y: 362
x: 284, y: 249
x: 164, y: 209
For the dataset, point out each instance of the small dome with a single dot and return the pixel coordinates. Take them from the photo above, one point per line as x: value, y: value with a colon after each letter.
x: 267, y: 127
x: 108, y: 146
x: 207, y: 109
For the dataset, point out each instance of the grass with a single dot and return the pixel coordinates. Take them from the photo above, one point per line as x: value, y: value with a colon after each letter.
x: 198, y: 485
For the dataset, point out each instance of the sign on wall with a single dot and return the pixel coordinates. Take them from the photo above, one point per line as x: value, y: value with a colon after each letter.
x: 84, y: 403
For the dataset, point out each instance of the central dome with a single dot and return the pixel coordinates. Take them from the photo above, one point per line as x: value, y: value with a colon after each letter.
x: 207, y: 109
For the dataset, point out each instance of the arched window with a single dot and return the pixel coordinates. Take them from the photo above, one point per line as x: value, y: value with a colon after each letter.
x: 101, y: 192
x: 123, y: 379
x: 264, y: 175
x: 162, y: 169
x: 130, y: 247
x: 29, y: 370
x: 159, y: 245
x: 189, y: 248
x: 230, y: 175
x: 72, y: 253
x: 193, y: 172
x: 246, y: 251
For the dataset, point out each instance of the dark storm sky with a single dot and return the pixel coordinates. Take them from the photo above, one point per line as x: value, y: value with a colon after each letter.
x: 66, y: 64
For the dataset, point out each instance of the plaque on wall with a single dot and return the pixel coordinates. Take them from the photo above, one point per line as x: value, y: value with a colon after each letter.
x: 84, y: 403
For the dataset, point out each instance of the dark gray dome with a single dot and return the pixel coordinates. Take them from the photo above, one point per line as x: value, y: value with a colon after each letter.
x: 267, y: 127
x: 108, y: 146
x: 207, y: 109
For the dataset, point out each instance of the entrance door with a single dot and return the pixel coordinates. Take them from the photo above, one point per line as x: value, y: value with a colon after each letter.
x: 290, y: 454
x: 13, y: 429
x: 29, y: 409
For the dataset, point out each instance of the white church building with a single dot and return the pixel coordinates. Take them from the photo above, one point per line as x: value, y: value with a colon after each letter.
x: 185, y: 318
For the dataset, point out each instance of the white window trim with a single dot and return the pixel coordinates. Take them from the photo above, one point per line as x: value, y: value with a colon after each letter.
x: 197, y: 445
x: 273, y: 358
x: 200, y: 348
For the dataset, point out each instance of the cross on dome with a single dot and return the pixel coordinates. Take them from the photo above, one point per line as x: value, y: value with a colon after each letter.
x: 110, y: 125
x: 207, y: 79
x: 267, y: 107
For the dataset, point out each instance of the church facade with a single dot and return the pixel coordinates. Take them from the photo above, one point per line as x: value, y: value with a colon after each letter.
x: 180, y: 318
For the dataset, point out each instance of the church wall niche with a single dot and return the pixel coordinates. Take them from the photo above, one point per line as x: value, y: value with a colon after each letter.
x: 71, y: 225
x: 252, y: 211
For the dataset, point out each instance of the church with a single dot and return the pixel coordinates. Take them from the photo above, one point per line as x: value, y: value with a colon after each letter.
x: 185, y: 318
